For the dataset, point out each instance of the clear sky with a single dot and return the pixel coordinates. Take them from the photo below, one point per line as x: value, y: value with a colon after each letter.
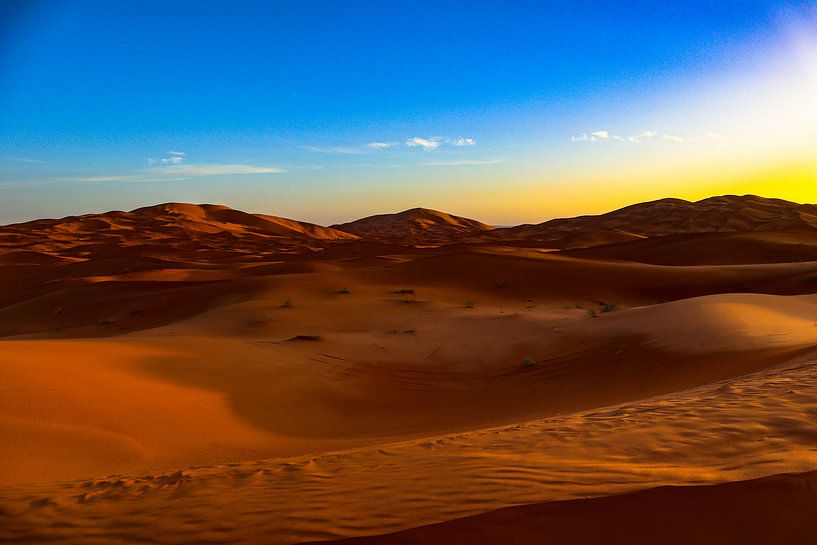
x: 507, y: 112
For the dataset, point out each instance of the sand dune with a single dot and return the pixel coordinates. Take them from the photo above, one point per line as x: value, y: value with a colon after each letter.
x: 711, y: 248
x: 415, y: 226
x: 173, y: 228
x: 432, y: 371
x: 246, y: 378
x: 780, y: 509
x: 729, y: 213
x: 742, y: 428
x: 136, y: 287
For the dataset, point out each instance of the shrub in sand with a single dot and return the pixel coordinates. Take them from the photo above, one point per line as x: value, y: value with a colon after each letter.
x: 257, y: 320
x: 528, y: 361
x: 308, y: 337
x: 469, y: 304
x: 287, y: 303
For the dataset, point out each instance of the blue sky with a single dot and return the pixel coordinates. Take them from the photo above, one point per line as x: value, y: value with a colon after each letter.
x: 330, y: 110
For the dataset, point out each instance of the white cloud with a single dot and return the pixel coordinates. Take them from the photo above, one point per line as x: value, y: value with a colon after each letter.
x: 93, y: 179
x: 27, y: 160
x: 465, y: 162
x: 592, y: 137
x: 343, y: 150
x: 213, y: 170
x: 425, y: 143
x: 430, y: 143
x: 169, y: 172
x: 174, y: 165
x: 173, y: 158
x: 639, y: 138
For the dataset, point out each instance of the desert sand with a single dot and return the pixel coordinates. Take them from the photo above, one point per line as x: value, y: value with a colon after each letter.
x: 190, y: 373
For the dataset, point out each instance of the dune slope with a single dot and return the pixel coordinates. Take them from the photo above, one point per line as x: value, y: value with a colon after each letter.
x: 143, y: 399
x: 782, y: 246
x: 780, y: 509
x: 742, y: 428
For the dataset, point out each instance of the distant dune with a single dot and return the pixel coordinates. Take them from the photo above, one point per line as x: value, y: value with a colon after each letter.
x: 226, y: 230
x: 169, y: 227
x: 415, y: 226
x: 728, y: 213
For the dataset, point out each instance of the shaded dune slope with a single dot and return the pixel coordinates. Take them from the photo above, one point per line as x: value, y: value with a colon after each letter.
x: 129, y: 289
x: 779, y: 509
x: 785, y: 246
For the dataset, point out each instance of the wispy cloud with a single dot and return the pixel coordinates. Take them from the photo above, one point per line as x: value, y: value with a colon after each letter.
x: 434, y: 142
x: 640, y: 138
x: 173, y: 168
x: 673, y: 138
x: 592, y: 137
x: 710, y: 136
x: 343, y: 150
x: 465, y: 162
x: 425, y: 143
x: 94, y: 179
x: 174, y: 165
x: 27, y: 160
x: 173, y: 158
x: 213, y: 170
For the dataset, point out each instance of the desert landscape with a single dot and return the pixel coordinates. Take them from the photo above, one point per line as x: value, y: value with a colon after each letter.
x: 408, y: 273
x: 188, y: 373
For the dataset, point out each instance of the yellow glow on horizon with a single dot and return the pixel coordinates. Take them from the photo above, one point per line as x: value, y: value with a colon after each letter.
x: 765, y: 115
x: 518, y: 201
